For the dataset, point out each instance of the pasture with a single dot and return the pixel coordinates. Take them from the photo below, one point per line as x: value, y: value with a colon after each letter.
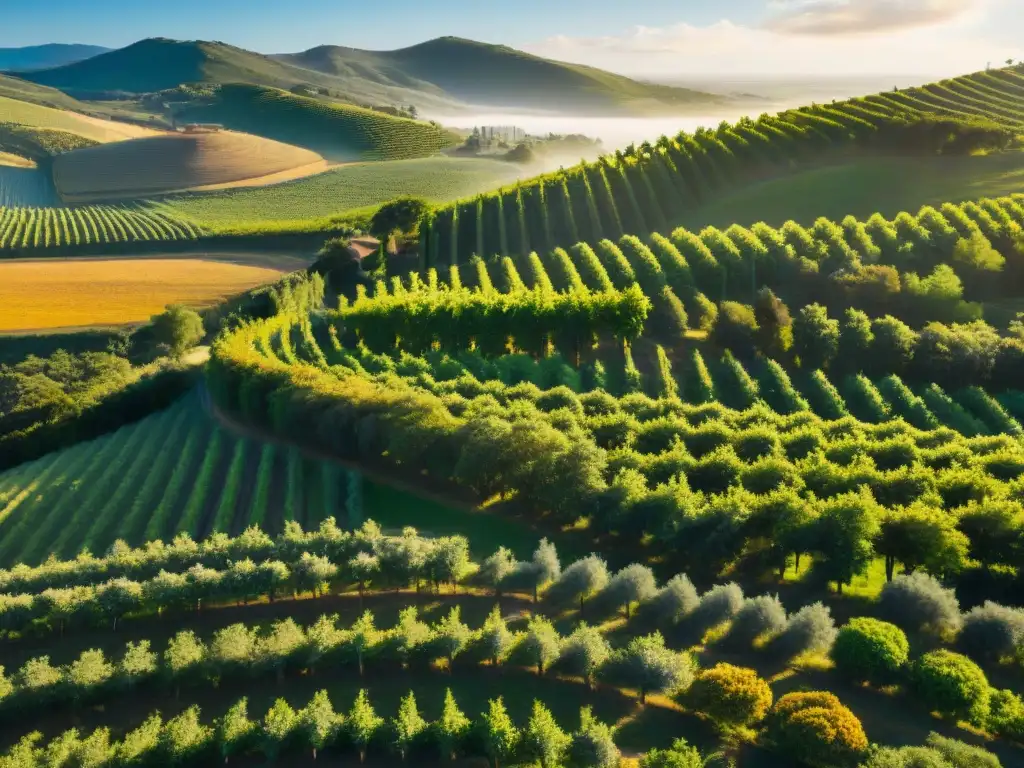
x: 42, y: 295
x: 348, y: 188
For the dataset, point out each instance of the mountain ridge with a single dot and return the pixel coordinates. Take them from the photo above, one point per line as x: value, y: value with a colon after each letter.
x: 443, y: 74
x: 46, y: 56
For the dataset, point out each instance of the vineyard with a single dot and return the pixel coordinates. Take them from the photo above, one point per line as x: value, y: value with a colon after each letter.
x: 33, y: 229
x: 177, y: 472
x: 340, y: 132
x: 588, y: 489
x: 657, y: 185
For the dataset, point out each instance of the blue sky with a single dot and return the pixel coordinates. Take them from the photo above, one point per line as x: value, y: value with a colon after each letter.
x: 683, y: 36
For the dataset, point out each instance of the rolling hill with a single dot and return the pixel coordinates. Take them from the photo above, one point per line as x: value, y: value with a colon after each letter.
x: 45, y: 56
x: 341, y: 132
x: 158, y: 64
x: 496, y: 75
x: 442, y: 74
x: 176, y: 162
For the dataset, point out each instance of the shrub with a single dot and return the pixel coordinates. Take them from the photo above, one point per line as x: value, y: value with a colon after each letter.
x: 731, y: 696
x: 679, y: 755
x: 1006, y: 715
x: 962, y: 755
x: 991, y: 631
x: 809, y: 630
x: 757, y: 616
x: 592, y: 745
x: 952, y: 685
x: 816, y: 729
x: 718, y: 605
x: 905, y: 757
x: 917, y: 601
x: 870, y: 650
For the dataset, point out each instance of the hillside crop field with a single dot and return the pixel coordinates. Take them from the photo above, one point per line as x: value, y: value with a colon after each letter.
x: 349, y: 188
x: 178, y: 471
x: 96, y: 129
x: 50, y: 294
x: 793, y: 448
x: 177, y: 162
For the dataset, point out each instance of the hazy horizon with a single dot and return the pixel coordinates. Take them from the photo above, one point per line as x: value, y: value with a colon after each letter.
x: 645, y: 38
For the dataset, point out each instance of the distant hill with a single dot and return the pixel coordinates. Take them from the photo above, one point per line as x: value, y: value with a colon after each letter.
x: 498, y: 76
x: 441, y: 74
x: 158, y: 64
x: 340, y: 132
x: 45, y: 56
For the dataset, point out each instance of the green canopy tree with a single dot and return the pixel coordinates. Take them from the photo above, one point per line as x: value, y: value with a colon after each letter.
x: 451, y: 728
x: 362, y: 724
x: 318, y: 723
x: 235, y: 731
x: 500, y: 735
x: 407, y: 726
x: 542, y: 739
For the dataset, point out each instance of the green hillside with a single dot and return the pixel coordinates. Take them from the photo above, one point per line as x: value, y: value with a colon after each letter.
x: 497, y: 75
x: 342, y: 191
x: 338, y: 131
x: 159, y: 64
x: 439, y: 73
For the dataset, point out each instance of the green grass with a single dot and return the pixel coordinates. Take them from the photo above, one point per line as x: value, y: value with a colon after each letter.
x: 351, y: 187
x: 339, y: 131
x: 887, y: 185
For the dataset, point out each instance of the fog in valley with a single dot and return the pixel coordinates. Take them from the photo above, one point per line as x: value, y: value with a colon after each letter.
x: 746, y: 95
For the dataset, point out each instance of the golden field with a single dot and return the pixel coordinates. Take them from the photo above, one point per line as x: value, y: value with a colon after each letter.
x: 177, y: 162
x: 43, y: 295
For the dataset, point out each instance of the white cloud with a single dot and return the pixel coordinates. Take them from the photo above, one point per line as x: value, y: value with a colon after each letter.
x: 727, y: 48
x: 857, y: 17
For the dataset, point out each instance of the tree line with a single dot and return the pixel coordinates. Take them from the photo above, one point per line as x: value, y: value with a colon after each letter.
x: 640, y: 468
x: 317, y: 728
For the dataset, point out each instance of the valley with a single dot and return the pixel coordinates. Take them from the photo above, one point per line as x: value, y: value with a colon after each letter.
x: 452, y: 404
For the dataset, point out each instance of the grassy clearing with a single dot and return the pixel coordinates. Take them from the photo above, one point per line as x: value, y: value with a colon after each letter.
x: 887, y: 185
x: 350, y: 187
x: 43, y: 295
